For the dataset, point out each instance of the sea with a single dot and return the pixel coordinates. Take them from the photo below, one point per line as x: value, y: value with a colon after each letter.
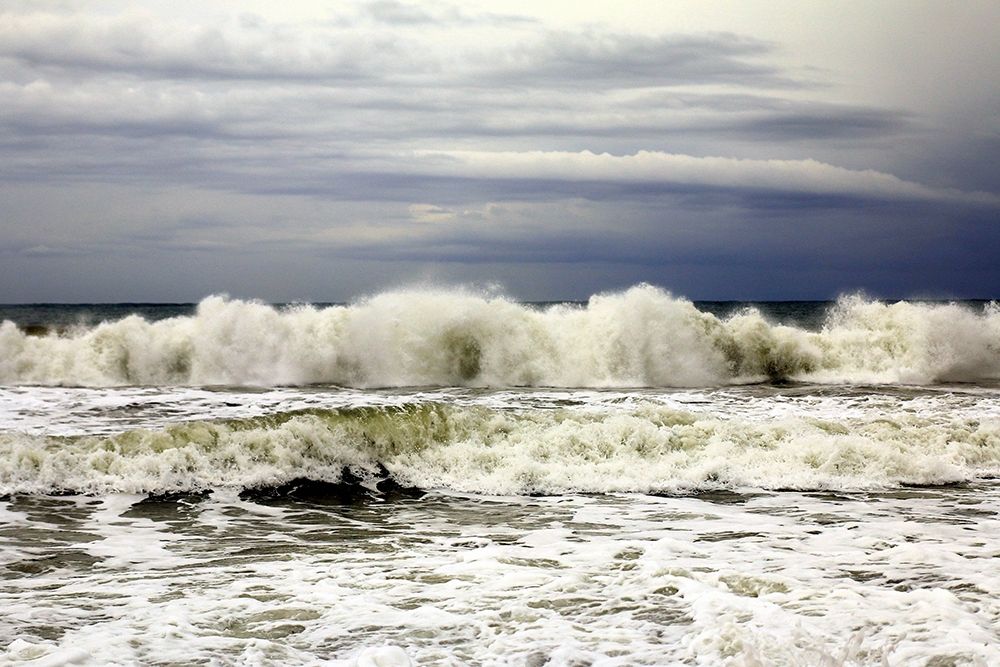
x: 452, y: 477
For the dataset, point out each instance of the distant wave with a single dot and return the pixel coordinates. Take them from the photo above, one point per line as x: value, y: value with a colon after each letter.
x: 644, y: 448
x: 640, y: 337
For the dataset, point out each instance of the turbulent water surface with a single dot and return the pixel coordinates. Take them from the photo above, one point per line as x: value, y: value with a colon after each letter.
x: 434, y: 477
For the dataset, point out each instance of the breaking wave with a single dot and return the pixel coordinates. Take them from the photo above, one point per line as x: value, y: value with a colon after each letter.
x: 640, y: 337
x: 644, y: 448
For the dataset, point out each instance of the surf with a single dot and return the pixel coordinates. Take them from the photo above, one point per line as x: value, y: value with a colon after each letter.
x: 640, y: 447
x: 641, y: 337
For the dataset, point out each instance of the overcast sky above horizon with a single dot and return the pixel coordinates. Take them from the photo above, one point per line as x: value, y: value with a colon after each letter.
x: 164, y: 151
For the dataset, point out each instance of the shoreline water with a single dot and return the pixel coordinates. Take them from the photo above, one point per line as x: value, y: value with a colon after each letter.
x: 773, y: 578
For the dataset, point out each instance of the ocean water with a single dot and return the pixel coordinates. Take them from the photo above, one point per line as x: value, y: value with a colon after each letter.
x: 445, y: 477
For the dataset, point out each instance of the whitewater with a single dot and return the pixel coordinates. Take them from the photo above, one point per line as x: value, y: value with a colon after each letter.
x: 449, y: 476
x: 643, y: 337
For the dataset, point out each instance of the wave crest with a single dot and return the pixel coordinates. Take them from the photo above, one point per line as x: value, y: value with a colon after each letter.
x: 640, y: 337
x: 644, y: 448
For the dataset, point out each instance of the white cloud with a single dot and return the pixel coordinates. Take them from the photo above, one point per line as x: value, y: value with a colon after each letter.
x: 430, y: 213
x: 805, y: 176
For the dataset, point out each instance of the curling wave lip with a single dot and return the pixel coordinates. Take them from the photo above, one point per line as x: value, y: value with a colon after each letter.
x: 641, y: 447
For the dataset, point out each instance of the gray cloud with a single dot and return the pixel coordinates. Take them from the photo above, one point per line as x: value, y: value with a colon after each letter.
x: 411, y: 114
x: 137, y: 46
x: 565, y: 59
x: 841, y: 124
x: 435, y: 136
x: 809, y: 176
x: 393, y: 12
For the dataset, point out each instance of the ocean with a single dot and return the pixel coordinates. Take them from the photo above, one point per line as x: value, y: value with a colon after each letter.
x: 450, y: 477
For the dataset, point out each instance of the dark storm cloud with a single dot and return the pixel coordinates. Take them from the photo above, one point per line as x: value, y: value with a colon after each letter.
x: 967, y: 160
x: 806, y: 125
x: 405, y: 116
x: 842, y: 124
x: 666, y: 234
x: 334, y: 175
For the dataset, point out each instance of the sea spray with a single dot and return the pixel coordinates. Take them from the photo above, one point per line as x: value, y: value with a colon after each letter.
x: 643, y: 337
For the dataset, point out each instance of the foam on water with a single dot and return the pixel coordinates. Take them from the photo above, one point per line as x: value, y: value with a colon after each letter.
x: 636, y: 445
x: 773, y: 579
x: 640, y: 337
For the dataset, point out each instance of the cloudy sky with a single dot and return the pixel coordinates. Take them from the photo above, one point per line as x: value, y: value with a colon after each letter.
x: 163, y: 151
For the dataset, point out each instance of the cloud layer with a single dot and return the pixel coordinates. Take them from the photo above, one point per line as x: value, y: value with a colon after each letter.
x: 459, y: 143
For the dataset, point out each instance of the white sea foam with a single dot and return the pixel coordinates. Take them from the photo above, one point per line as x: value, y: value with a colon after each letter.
x: 639, y: 446
x: 640, y: 337
x: 773, y: 579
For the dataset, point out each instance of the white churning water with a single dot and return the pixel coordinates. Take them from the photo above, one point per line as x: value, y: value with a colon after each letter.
x: 643, y: 337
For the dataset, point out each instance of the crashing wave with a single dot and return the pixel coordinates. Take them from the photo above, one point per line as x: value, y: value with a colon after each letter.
x: 643, y: 337
x: 644, y: 448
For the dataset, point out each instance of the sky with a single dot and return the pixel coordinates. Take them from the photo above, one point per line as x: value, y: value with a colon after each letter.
x: 321, y: 151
